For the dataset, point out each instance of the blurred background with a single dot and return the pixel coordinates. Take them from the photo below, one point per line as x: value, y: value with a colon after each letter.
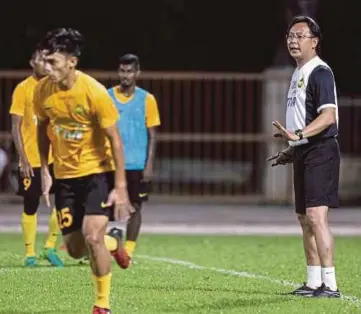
x: 219, y: 71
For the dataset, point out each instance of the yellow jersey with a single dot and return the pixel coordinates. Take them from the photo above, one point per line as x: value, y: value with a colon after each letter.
x: 22, y: 105
x: 78, y: 117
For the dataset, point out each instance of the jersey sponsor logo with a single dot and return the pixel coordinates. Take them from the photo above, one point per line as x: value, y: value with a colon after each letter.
x: 300, y: 83
x: 79, y: 109
x: 66, y: 134
x: 291, y: 102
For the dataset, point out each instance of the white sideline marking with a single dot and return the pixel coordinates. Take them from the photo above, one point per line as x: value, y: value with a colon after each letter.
x: 349, y: 299
x: 184, y: 229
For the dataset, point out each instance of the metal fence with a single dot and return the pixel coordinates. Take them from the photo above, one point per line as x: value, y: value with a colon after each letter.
x: 212, y: 140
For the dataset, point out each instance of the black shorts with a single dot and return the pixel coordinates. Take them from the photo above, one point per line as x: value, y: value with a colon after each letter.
x: 316, y: 174
x: 32, y: 187
x: 78, y: 197
x: 138, y: 189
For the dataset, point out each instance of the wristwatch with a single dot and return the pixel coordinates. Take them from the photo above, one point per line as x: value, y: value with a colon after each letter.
x: 299, y: 134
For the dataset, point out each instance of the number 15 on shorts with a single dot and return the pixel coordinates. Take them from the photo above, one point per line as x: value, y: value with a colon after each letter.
x: 65, y: 218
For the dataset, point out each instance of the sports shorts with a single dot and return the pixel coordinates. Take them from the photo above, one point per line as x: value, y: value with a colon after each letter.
x: 78, y: 197
x: 31, y: 187
x: 316, y: 174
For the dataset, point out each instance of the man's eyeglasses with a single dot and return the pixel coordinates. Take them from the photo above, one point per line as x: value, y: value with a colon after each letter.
x: 298, y: 37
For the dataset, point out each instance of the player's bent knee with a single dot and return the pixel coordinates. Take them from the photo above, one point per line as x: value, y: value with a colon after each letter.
x: 76, y: 252
x: 94, y: 227
x: 75, y: 245
x: 93, y: 238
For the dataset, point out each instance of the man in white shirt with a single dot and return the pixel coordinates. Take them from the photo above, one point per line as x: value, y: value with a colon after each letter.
x: 311, y: 131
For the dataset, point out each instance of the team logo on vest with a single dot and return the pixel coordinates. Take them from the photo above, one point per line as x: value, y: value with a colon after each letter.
x: 300, y: 82
x: 79, y: 109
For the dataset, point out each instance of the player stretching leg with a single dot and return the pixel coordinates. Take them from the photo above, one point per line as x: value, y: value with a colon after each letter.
x: 91, y: 186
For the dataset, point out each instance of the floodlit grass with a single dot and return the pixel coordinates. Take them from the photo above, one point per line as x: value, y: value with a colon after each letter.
x: 183, y: 274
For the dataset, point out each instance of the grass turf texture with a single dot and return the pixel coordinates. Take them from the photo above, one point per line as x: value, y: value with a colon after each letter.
x: 224, y: 274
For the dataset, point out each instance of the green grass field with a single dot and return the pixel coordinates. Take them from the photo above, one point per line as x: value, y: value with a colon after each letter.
x: 183, y: 274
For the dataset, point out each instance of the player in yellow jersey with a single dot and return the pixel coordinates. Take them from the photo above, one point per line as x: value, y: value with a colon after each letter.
x: 138, y: 129
x: 91, y: 186
x: 24, y: 123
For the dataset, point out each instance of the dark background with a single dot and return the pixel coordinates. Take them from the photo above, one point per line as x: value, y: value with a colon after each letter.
x: 241, y: 36
x: 244, y: 36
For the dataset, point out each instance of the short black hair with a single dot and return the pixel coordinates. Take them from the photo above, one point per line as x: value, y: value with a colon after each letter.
x: 64, y: 40
x: 315, y: 29
x: 130, y: 58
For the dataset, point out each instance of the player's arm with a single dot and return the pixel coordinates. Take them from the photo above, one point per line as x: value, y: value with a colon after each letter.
x: 42, y: 128
x: 112, y: 134
x: 323, y: 86
x: 17, y: 113
x: 43, y: 144
x: 152, y: 135
x: 283, y: 157
x: 153, y: 121
x: 25, y: 167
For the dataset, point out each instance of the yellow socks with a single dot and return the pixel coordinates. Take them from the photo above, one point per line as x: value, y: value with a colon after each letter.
x: 111, y: 243
x: 130, y: 247
x: 53, y: 231
x: 102, y: 290
x: 29, y: 226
